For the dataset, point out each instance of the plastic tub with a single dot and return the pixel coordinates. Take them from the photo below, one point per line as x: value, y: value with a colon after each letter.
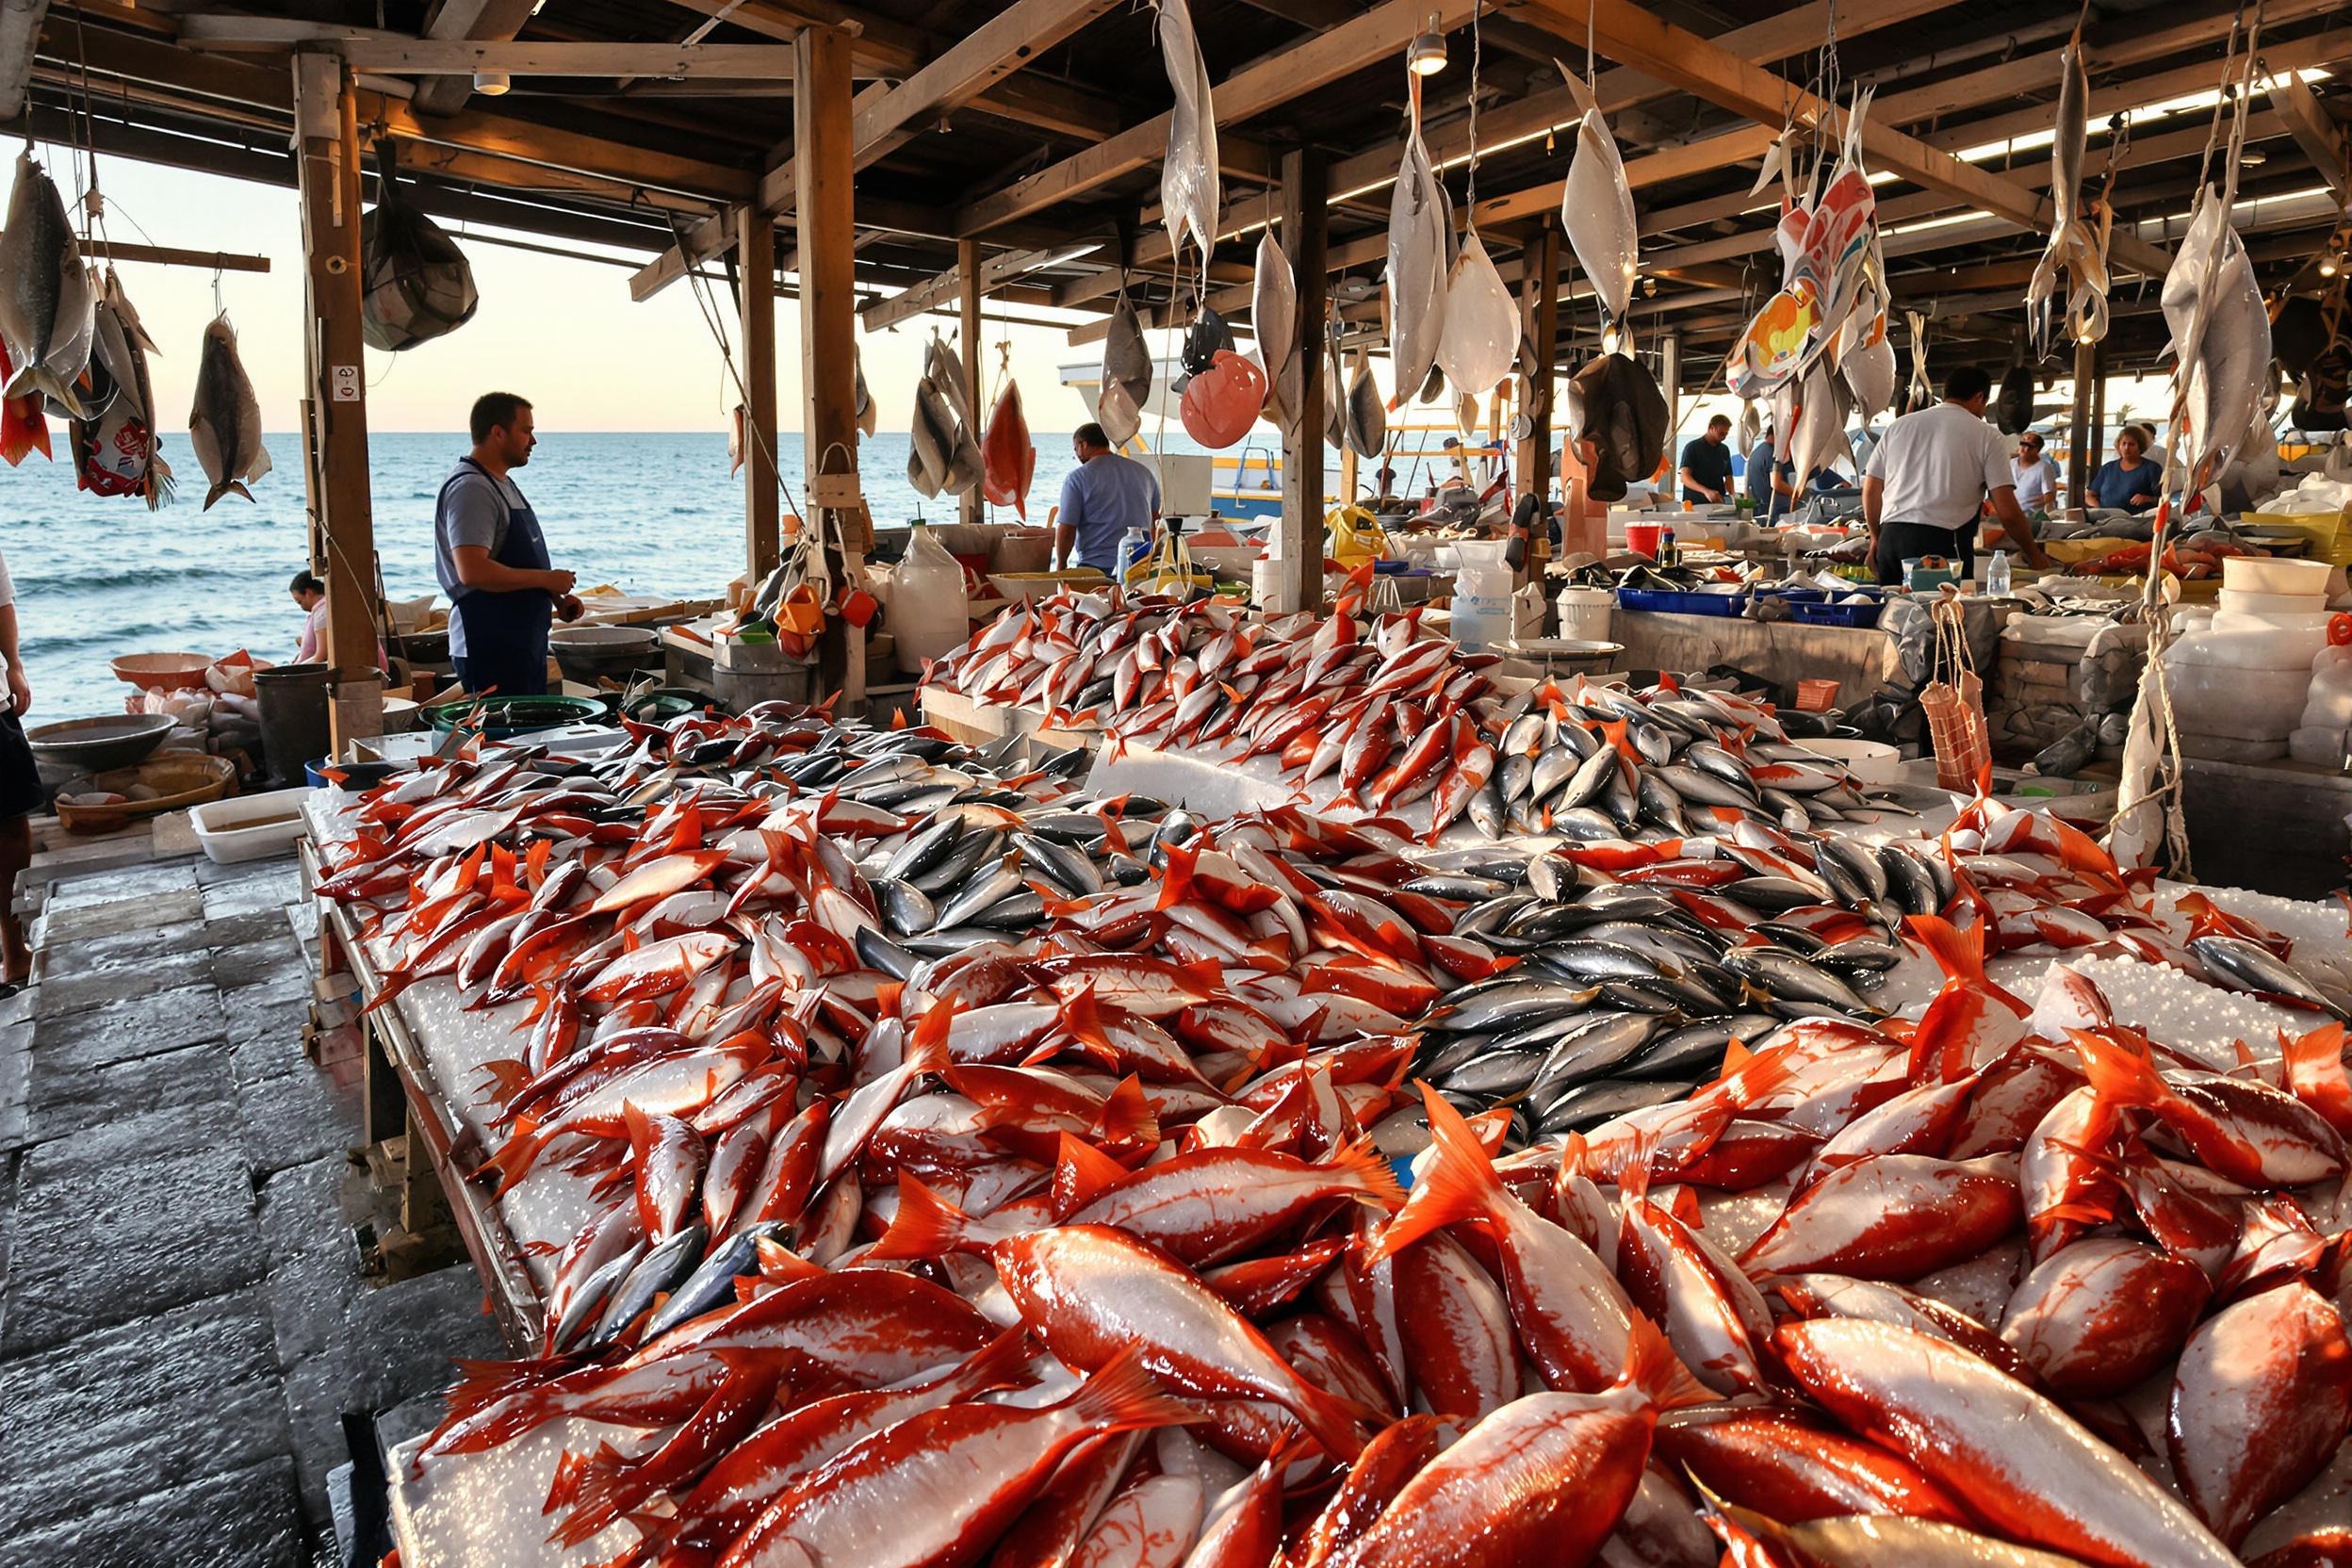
x: 249, y: 827
x: 2271, y: 620
x: 1681, y: 604
x: 1584, y: 613
x: 2246, y: 602
x: 1645, y: 538
x: 173, y: 672
x: 2272, y: 575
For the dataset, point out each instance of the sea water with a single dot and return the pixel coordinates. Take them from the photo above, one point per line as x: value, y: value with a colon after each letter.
x: 654, y: 514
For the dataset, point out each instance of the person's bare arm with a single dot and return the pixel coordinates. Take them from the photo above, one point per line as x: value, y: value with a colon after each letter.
x: 1690, y: 482
x: 478, y: 568
x: 2014, y: 523
x: 20, y: 690
x: 1873, y: 504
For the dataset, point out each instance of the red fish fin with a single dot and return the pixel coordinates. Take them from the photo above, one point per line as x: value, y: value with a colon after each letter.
x: 927, y: 1050
x: 1002, y: 1361
x: 1363, y: 1164
x: 1126, y: 1119
x: 925, y: 1226
x: 1082, y: 1174
x: 1176, y: 874
x: 2315, y: 1074
x: 1121, y: 1397
x: 2118, y: 1075
x: 1652, y: 1366
x: 1460, y: 1184
x: 502, y: 1080
x: 780, y: 1265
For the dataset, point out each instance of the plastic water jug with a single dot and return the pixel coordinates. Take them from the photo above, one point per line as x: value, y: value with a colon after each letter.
x: 1997, y: 575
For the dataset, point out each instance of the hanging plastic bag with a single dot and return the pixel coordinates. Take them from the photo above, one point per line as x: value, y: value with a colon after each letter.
x: 1955, y: 704
x: 415, y: 284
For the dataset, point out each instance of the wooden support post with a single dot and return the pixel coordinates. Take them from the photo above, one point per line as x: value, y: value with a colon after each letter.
x: 326, y: 140
x: 2094, y: 448
x: 970, y: 505
x: 1305, y: 234
x: 1539, y: 314
x: 756, y: 303
x: 825, y: 229
x: 2081, y: 462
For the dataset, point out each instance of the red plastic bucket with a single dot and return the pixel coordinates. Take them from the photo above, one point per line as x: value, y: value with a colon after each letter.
x: 1642, y: 538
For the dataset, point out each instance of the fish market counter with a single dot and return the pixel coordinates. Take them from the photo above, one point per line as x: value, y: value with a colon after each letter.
x: 1782, y: 652
x: 425, y: 1051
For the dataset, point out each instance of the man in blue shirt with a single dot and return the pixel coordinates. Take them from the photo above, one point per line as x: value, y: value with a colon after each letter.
x: 1770, y: 484
x: 1102, y: 498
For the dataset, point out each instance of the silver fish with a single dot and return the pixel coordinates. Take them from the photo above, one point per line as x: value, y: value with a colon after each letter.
x: 1188, y: 172
x: 1419, y: 231
x: 2213, y: 305
x: 1481, y: 334
x: 1368, y: 425
x: 1274, y: 318
x: 1126, y: 380
x: 45, y: 292
x: 2075, y: 246
x: 1596, y: 206
x: 225, y: 426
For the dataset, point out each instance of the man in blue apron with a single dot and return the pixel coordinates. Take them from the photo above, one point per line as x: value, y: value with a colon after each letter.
x: 493, y: 562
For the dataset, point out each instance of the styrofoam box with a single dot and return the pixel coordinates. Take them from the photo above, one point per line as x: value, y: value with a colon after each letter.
x: 249, y: 827
x: 2262, y: 574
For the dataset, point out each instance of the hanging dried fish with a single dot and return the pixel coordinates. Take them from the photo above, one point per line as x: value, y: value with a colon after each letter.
x: 2075, y: 246
x: 1922, y: 391
x: 2224, y: 342
x: 1418, y: 232
x: 1481, y: 336
x: 1616, y: 405
x: 224, y: 427
x: 1188, y: 172
x: 1368, y: 424
x: 1274, y: 321
x: 45, y: 292
x: 1208, y: 337
x: 1820, y: 440
x: 1126, y: 380
x: 868, y: 414
x: 1596, y: 207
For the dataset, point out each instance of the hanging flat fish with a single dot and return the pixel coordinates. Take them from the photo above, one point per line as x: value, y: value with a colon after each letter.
x: 1418, y: 232
x: 1481, y: 336
x: 737, y: 425
x: 1274, y: 319
x: 1338, y: 400
x: 1922, y: 391
x: 1615, y: 405
x: 118, y: 452
x: 224, y: 427
x: 1126, y: 380
x: 2213, y: 305
x: 868, y: 416
x: 1596, y: 207
x: 1368, y: 425
x: 1868, y: 371
x: 1009, y: 454
x: 2074, y: 246
x: 1189, y: 174
x: 931, y: 440
x: 1820, y: 434
x: 1751, y: 425
x: 944, y: 371
x: 45, y: 291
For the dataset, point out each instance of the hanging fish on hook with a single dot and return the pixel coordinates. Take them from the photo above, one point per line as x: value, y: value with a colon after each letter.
x: 1419, y: 230
x: 2077, y: 248
x: 224, y: 427
x: 862, y: 396
x: 1597, y: 209
x: 1188, y: 172
x: 1274, y: 321
x: 1922, y: 391
x: 46, y: 297
x: 1368, y: 424
x: 117, y: 449
x: 2213, y: 305
x: 1481, y: 336
x: 1126, y: 379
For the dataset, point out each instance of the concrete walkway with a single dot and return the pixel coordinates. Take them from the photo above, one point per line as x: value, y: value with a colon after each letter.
x: 183, y: 1322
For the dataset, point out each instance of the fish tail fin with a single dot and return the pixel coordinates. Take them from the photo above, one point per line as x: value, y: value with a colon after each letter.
x: 926, y: 1050
x: 226, y: 487
x: 1367, y: 1170
x: 514, y: 1159
x: 1082, y: 1173
x: 1460, y: 1183
x: 502, y: 1080
x: 925, y: 1226
x: 1121, y: 1397
x: 1002, y: 1360
x: 1176, y: 874
x: 2315, y: 1074
x: 1961, y: 956
x: 1654, y: 1369
x: 23, y: 429
x: 1126, y: 1119
x: 2118, y: 1075
x: 780, y: 1265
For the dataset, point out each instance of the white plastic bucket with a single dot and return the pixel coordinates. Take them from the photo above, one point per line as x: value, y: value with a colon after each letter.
x: 2260, y: 574
x: 1584, y: 613
x: 2246, y: 602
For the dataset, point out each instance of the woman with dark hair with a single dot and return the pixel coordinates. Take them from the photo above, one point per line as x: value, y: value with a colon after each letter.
x: 311, y: 594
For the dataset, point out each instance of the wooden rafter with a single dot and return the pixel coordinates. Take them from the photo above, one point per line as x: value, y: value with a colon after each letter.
x: 20, y: 25
x: 2322, y: 139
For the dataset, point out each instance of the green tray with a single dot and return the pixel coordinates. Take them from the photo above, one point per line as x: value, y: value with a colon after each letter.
x: 505, y: 717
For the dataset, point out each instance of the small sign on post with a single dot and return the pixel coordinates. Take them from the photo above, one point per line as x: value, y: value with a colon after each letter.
x: 344, y: 381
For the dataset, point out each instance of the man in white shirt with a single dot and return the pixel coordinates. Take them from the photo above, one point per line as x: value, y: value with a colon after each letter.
x: 2038, y: 476
x: 20, y: 795
x: 1930, y: 475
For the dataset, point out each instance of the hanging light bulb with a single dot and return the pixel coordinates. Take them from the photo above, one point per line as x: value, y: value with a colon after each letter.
x: 490, y: 83
x: 2328, y: 265
x: 1427, y: 57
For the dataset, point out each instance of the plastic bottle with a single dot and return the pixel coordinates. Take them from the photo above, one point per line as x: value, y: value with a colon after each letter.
x: 1666, y: 551
x: 1133, y: 546
x: 1997, y: 575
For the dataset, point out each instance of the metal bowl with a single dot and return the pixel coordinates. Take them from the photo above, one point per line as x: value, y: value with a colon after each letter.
x: 93, y: 745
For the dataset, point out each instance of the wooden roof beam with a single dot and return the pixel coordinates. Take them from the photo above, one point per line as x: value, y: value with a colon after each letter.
x: 884, y: 119
x: 1635, y: 37
x: 939, y: 291
x: 2315, y: 131
x: 1316, y: 62
x: 1525, y: 118
x: 744, y: 62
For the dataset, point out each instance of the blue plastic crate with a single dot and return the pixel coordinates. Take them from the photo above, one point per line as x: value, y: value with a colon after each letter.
x: 1854, y: 615
x: 1681, y: 604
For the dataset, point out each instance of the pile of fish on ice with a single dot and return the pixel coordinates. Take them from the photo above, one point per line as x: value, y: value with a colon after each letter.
x: 1066, y: 1237
x: 1390, y: 715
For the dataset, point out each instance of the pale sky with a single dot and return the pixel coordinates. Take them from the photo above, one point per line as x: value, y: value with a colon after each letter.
x: 560, y: 331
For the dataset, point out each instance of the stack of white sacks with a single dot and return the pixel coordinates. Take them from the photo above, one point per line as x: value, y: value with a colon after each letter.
x: 2241, y: 682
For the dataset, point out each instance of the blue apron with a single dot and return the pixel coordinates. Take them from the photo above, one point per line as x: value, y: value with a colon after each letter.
x: 506, y: 633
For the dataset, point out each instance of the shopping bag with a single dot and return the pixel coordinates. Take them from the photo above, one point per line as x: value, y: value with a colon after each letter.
x: 1954, y: 703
